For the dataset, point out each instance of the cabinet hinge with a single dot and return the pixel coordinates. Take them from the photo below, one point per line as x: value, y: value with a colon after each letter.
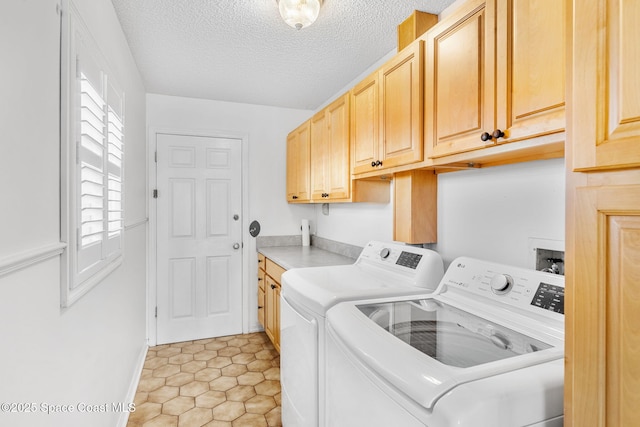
x: 155, y: 193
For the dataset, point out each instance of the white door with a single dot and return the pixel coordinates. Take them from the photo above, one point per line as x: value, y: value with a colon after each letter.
x: 199, y: 237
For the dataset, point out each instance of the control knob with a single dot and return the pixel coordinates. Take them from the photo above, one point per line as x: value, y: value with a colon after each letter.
x: 501, y: 283
x: 384, y: 253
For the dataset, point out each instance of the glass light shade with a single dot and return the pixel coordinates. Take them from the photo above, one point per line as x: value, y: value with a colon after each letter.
x: 299, y: 13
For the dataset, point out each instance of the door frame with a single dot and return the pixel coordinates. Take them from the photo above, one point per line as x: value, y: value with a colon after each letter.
x: 152, y: 283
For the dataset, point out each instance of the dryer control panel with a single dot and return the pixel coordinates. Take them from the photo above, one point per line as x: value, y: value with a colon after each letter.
x: 418, y: 266
x: 529, y: 290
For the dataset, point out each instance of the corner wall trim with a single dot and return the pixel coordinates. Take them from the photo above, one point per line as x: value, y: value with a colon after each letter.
x: 29, y: 257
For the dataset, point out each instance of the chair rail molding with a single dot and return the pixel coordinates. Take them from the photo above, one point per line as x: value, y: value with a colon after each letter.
x: 22, y: 260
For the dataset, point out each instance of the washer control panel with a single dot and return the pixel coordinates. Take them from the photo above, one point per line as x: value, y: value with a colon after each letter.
x: 530, y: 290
x: 422, y: 267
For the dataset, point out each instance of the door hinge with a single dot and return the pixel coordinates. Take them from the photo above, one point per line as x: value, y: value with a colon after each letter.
x: 155, y: 156
x: 156, y: 312
x: 155, y: 193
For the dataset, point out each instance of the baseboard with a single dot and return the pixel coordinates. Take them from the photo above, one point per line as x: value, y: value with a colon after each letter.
x: 133, y: 386
x: 255, y: 327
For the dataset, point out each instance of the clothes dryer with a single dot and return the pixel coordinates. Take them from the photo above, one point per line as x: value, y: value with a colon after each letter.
x: 382, y: 269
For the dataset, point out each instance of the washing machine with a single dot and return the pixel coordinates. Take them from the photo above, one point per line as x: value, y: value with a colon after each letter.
x: 382, y: 269
x: 485, y: 349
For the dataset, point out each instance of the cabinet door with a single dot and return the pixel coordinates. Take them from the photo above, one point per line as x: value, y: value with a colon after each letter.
x: 365, y: 122
x: 606, y: 101
x: 401, y: 102
x: 460, y: 80
x: 261, y: 311
x: 298, y: 179
x: 318, y: 155
x: 531, y: 74
x: 602, y: 385
x: 276, y: 304
x: 337, y: 166
x: 261, y: 286
x: 271, y: 311
x: 292, y: 167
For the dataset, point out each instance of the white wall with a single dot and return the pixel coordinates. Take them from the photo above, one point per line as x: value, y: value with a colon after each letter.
x: 485, y: 213
x: 266, y: 129
x: 88, y: 353
x: 356, y: 223
x: 492, y: 213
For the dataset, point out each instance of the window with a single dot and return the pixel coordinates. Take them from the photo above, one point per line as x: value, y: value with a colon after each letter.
x: 92, y: 164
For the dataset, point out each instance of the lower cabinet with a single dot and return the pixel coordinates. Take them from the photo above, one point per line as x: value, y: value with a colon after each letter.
x: 269, y: 279
x: 272, y: 314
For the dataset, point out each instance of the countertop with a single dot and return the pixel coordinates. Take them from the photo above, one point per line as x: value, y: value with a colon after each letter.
x: 289, y: 257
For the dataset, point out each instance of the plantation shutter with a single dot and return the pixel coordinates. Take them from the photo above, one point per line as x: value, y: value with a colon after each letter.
x: 100, y: 148
x: 115, y: 151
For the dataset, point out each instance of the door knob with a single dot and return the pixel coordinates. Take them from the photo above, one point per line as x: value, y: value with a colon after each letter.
x: 236, y: 217
x: 236, y: 246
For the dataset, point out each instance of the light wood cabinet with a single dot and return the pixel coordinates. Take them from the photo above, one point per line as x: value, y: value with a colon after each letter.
x: 387, y: 114
x: 602, y: 383
x: 272, y: 313
x: 606, y: 94
x: 330, y: 161
x: 401, y: 103
x: 261, y: 289
x: 414, y: 26
x: 495, y: 73
x: 269, y: 293
x: 602, y: 371
x: 365, y: 121
x: 298, y: 164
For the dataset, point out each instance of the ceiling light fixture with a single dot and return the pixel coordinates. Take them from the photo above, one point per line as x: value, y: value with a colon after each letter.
x: 299, y: 13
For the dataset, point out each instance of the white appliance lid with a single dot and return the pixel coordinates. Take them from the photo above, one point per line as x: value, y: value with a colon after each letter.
x: 420, y: 376
x: 382, y: 269
x: 320, y: 288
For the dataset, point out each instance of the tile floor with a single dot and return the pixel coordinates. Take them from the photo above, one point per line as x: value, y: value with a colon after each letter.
x: 229, y: 381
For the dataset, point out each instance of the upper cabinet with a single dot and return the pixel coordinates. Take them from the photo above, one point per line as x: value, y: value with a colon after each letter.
x: 298, y: 179
x: 495, y: 73
x: 401, y: 105
x: 606, y: 105
x: 330, y: 166
x: 365, y: 122
x: 387, y: 115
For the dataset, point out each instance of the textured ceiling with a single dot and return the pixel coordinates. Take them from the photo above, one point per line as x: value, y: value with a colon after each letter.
x: 242, y: 51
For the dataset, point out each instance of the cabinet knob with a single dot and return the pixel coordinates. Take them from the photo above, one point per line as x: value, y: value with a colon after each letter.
x: 373, y: 164
x: 259, y: 307
x: 378, y: 163
x: 294, y: 197
x: 486, y: 136
x: 497, y: 134
x: 259, y: 279
x: 273, y: 286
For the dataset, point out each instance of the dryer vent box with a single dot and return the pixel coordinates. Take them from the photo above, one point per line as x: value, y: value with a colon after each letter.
x: 549, y: 260
x: 547, y: 255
